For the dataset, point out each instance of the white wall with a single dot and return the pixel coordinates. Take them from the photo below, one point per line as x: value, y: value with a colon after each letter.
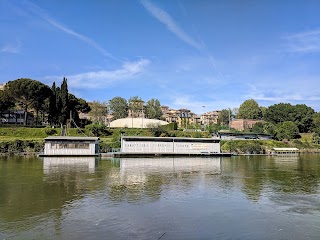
x: 169, y: 147
x: 67, y: 151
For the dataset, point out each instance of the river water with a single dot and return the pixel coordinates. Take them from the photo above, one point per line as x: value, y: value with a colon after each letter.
x: 243, y: 197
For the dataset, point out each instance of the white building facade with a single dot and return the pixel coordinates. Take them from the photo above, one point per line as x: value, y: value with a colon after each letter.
x: 71, y: 146
x: 169, y: 145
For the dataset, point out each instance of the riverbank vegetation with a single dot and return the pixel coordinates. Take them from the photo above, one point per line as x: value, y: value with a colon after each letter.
x: 26, y: 140
x: 55, y: 109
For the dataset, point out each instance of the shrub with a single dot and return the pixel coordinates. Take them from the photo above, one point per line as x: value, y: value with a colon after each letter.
x: 50, y: 131
x: 171, y: 126
x: 157, y: 130
x: 97, y: 130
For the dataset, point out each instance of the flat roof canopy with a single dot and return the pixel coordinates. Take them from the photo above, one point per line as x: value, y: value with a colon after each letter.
x: 69, y: 138
x: 169, y: 139
x: 286, y: 149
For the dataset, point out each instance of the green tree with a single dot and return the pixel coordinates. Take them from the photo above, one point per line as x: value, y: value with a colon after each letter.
x: 136, y: 106
x: 118, y: 107
x: 157, y: 129
x: 64, y: 96
x: 213, y: 128
x: 258, y: 127
x: 249, y: 109
x: 316, y: 138
x: 58, y: 105
x: 269, y: 128
x: 6, y: 101
x: 97, y: 130
x: 225, y: 116
x: 27, y: 92
x: 304, y: 117
x: 98, y: 112
x: 287, y: 130
x: 263, y: 111
x: 279, y: 113
x: 153, y: 109
x: 81, y: 105
x: 53, y: 111
x: 316, y: 119
x: 300, y: 114
x: 41, y: 106
x: 76, y: 106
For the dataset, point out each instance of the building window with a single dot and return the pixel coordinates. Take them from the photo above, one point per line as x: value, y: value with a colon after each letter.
x: 69, y: 145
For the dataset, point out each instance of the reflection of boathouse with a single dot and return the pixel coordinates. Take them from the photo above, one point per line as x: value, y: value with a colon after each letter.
x: 137, y: 170
x: 57, y: 164
x: 286, y: 151
x: 71, y: 146
x: 169, y: 146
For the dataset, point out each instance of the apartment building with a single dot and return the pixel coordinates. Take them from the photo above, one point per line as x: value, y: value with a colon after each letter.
x: 209, y: 118
x: 183, y: 117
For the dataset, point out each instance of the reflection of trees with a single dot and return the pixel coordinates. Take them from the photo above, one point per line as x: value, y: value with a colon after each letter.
x: 26, y: 192
x: 149, y: 189
x: 281, y: 174
x: 297, y: 175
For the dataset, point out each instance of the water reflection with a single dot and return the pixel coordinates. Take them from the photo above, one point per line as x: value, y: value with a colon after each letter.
x: 188, y: 198
x: 56, y: 164
x: 143, y: 166
x: 286, y: 162
x: 144, y: 179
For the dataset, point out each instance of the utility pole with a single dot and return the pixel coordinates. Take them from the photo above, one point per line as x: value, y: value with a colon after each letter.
x: 108, y: 112
x: 229, y: 117
x: 142, y: 113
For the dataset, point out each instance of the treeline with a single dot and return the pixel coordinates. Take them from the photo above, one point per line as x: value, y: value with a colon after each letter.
x: 282, y: 120
x: 56, y: 103
x: 119, y: 107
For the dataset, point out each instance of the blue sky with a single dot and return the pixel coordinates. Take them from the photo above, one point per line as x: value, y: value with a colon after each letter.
x: 186, y: 53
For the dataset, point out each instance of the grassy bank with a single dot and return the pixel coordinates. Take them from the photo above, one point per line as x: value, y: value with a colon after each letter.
x: 266, y: 146
x: 15, y: 140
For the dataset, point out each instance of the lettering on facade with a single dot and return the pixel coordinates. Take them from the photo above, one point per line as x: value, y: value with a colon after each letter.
x: 199, y: 146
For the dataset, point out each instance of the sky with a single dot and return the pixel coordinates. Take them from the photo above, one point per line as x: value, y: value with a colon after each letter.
x: 202, y: 55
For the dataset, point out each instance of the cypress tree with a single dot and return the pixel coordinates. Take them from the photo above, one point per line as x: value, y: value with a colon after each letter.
x: 64, y: 101
x: 53, y: 114
x: 58, y: 105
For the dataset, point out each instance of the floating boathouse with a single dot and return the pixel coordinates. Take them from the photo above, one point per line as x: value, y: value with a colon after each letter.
x: 170, y: 146
x: 285, y: 151
x: 71, y: 146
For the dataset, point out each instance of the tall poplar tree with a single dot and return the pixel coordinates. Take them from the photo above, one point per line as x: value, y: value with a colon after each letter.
x: 153, y: 109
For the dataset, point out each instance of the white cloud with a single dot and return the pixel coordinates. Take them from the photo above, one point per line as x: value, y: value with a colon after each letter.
x: 171, y: 24
x: 43, y: 15
x: 304, y: 42
x: 283, y: 92
x: 11, y: 47
x: 103, y: 78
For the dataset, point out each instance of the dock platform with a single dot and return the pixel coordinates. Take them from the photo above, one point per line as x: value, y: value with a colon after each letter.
x: 135, y: 155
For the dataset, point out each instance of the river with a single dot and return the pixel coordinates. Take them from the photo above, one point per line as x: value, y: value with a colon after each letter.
x: 242, y: 197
